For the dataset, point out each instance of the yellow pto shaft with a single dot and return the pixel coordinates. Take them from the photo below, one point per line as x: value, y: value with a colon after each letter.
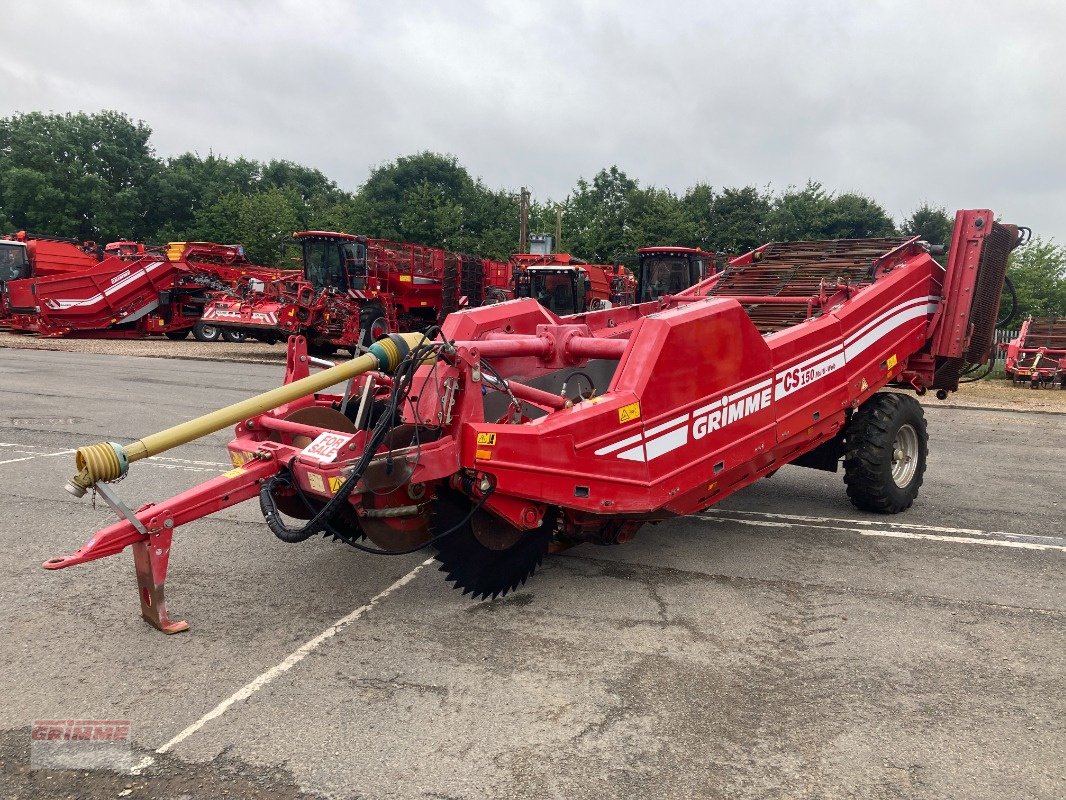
x: 109, y: 461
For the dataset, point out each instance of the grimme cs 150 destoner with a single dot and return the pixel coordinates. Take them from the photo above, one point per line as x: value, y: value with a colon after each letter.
x: 515, y: 432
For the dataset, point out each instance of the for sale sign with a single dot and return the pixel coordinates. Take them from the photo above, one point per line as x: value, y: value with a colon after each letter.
x: 326, y: 446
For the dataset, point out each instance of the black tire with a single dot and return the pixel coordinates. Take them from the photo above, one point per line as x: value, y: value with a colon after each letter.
x: 177, y: 336
x: 372, y: 324
x: 885, y: 427
x: 233, y: 336
x: 203, y: 332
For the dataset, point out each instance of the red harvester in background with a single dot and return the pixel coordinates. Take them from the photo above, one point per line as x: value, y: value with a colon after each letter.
x: 29, y: 255
x: 354, y: 290
x: 1038, y: 353
x: 568, y: 285
x: 131, y: 293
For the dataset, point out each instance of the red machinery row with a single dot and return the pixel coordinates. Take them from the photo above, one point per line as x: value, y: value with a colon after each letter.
x: 354, y: 290
x: 349, y: 292
x: 517, y: 432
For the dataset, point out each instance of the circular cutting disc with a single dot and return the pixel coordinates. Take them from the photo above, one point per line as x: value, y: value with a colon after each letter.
x: 489, y: 557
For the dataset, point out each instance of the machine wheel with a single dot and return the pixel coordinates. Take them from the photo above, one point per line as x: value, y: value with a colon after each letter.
x: 372, y: 323
x: 177, y: 336
x: 886, y: 445
x: 486, y: 557
x: 203, y: 332
x: 231, y: 335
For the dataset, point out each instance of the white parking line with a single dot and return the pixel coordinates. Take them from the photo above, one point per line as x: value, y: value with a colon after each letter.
x: 724, y: 516
x: 879, y: 523
x: 284, y: 666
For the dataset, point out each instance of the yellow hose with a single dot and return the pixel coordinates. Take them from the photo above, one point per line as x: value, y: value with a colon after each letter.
x: 108, y: 461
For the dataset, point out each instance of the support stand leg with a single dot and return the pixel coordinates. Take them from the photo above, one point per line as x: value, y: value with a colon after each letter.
x: 150, y: 559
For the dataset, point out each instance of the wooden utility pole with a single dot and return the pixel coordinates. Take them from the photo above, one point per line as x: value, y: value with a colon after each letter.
x: 523, y: 222
x: 558, y: 229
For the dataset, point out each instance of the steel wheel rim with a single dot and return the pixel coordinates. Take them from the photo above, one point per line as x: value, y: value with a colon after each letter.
x: 904, y: 456
x: 209, y: 330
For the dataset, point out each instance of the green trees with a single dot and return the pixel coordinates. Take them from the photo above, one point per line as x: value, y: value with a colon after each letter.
x: 1038, y: 272
x: 80, y: 174
x: 932, y: 223
x: 94, y: 176
x: 431, y: 199
x: 814, y: 213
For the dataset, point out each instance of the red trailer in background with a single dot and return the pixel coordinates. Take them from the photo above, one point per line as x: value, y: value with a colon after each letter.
x: 1038, y: 354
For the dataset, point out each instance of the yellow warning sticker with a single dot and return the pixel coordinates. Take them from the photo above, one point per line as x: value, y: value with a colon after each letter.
x: 405, y: 279
x: 335, y: 483
x: 316, y: 482
x: 629, y: 413
x: 484, y: 455
x: 234, y: 473
x: 486, y: 439
x: 237, y: 458
x: 891, y: 361
x: 864, y: 385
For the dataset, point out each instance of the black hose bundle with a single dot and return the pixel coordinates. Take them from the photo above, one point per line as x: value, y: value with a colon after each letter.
x: 321, y: 521
x: 324, y: 520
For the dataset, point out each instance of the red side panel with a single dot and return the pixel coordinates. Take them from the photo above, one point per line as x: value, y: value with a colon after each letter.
x: 58, y: 258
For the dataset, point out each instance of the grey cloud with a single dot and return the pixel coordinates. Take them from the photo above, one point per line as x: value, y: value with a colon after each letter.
x: 956, y: 104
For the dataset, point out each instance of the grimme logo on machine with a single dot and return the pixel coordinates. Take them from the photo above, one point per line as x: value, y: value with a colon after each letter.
x: 728, y: 409
x: 671, y: 435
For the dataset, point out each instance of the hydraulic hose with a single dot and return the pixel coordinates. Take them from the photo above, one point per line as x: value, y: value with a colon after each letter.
x: 324, y: 518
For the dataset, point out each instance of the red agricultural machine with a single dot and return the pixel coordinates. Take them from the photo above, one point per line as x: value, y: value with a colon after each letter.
x: 1038, y: 354
x: 567, y: 285
x: 354, y: 290
x: 131, y: 293
x: 513, y: 432
x: 667, y: 271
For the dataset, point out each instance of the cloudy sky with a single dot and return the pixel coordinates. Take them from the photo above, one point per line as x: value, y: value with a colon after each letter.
x: 962, y: 104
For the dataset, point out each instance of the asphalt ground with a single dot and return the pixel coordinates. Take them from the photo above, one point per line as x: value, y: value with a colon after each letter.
x: 783, y: 645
